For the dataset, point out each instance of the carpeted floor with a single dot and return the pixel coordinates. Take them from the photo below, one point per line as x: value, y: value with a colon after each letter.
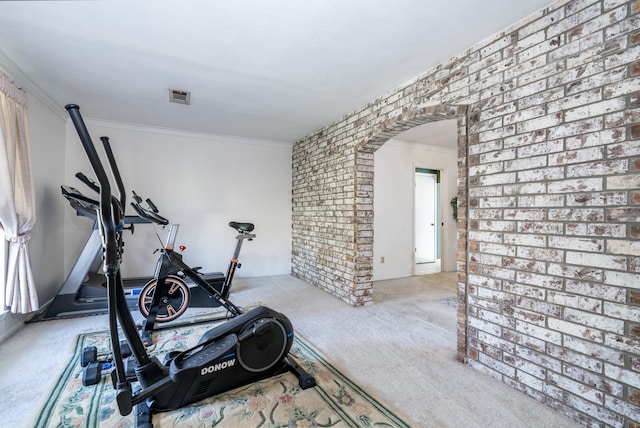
x: 401, y: 349
x: 277, y: 401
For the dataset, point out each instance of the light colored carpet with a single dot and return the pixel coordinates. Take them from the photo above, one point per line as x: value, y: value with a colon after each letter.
x: 401, y: 348
x: 277, y: 401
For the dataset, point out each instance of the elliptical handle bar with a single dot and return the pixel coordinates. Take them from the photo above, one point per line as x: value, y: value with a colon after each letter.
x: 107, y: 216
x: 111, y: 213
x: 122, y: 196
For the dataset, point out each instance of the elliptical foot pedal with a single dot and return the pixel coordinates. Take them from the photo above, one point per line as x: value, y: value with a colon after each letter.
x: 91, y: 374
x: 143, y: 416
x: 130, y: 369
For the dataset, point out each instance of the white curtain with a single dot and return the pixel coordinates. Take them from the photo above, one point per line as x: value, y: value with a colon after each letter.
x: 17, y: 198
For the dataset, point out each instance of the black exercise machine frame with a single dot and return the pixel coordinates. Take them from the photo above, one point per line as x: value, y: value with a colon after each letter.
x: 165, y: 388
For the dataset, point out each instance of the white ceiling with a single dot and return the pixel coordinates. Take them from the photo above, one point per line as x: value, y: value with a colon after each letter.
x: 268, y: 69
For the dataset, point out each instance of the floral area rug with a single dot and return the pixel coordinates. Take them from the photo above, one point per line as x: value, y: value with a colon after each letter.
x: 276, y: 402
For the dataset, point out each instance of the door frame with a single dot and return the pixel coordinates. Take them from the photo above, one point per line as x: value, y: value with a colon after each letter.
x: 438, y: 213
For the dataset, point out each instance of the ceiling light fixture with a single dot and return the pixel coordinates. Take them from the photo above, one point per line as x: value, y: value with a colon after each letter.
x: 179, y: 97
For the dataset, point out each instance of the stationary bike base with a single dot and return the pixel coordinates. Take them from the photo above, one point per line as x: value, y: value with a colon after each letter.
x: 177, y: 299
x: 200, y: 298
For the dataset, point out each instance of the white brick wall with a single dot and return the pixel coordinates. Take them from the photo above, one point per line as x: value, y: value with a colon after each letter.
x: 549, y: 203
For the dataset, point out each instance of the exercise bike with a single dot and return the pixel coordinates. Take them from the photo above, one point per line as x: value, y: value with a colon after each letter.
x: 167, y: 296
x: 252, y: 346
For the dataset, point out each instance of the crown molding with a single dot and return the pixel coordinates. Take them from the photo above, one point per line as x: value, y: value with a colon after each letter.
x: 185, y: 133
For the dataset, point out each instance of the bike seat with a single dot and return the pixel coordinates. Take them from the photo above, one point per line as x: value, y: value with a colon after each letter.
x: 241, y: 227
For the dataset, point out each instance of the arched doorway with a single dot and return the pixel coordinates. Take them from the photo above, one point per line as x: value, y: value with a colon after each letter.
x: 364, y: 150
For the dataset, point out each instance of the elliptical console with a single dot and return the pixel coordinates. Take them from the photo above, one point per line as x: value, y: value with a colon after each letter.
x: 253, y: 345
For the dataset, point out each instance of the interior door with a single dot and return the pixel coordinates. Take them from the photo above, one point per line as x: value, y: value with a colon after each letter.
x: 425, y: 217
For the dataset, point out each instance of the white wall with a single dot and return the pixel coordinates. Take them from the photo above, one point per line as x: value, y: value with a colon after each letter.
x: 395, y: 164
x: 201, y: 182
x: 47, y: 130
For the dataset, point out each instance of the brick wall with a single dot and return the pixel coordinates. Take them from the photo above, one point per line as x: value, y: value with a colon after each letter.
x: 549, y: 191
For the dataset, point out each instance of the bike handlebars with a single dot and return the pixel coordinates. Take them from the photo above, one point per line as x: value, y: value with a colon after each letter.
x: 152, y: 205
x: 149, y: 215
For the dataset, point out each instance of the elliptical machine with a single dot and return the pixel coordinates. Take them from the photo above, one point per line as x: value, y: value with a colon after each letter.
x: 253, y: 345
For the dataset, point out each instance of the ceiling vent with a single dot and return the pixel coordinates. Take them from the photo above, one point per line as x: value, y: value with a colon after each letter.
x: 179, y: 97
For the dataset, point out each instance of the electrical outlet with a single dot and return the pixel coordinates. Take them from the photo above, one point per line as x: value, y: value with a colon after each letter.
x: 381, y: 259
